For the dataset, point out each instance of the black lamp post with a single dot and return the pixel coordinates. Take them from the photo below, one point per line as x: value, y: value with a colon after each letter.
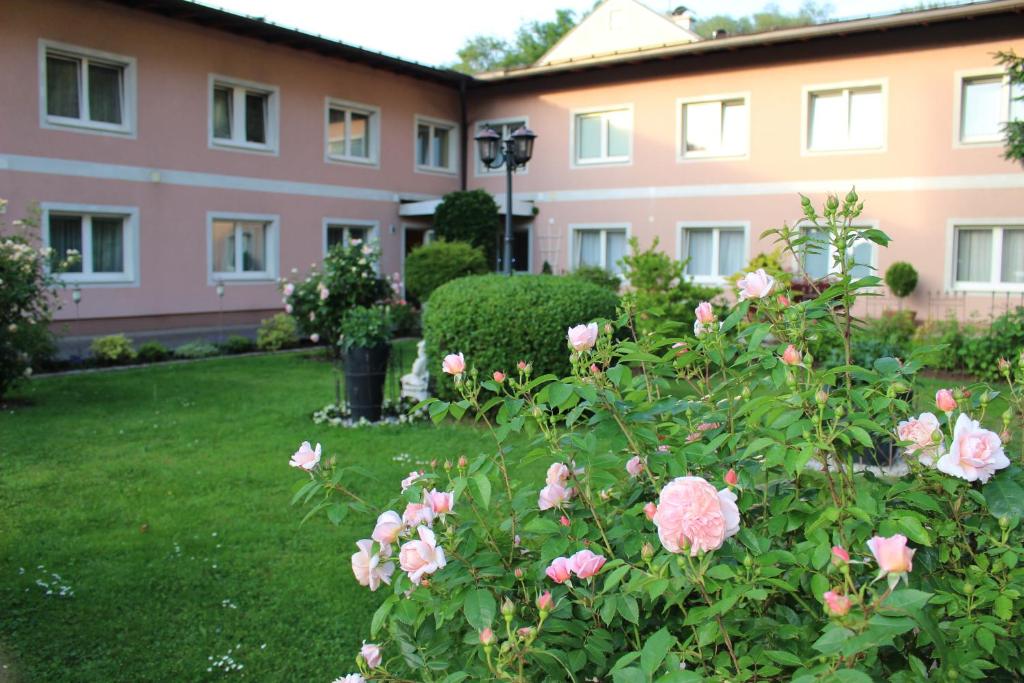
x: 511, y: 153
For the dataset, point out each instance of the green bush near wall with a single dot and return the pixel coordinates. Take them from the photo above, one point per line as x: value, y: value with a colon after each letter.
x: 496, y: 321
x: 430, y: 266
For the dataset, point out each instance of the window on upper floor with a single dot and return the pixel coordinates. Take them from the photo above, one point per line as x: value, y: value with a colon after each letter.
x: 100, y: 238
x: 242, y: 247
x: 603, y: 137
x: 436, y: 145
x: 86, y: 89
x: 714, y: 127
x: 988, y: 257
x: 598, y: 245
x: 845, y: 118
x: 819, y: 257
x: 713, y: 253
x: 504, y: 128
x: 353, y: 132
x: 987, y: 102
x: 243, y: 115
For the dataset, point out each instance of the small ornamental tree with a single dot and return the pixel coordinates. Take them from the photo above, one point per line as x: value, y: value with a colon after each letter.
x: 27, y: 300
x: 348, y: 278
x: 901, y: 278
x: 701, y: 517
x: 1014, y: 65
x: 469, y: 216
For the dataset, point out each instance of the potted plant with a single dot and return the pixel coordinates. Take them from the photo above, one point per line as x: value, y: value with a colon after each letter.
x: 366, y: 333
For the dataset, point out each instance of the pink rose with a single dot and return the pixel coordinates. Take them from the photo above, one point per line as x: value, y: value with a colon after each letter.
x: 559, y: 570
x: 408, y: 481
x: 791, y: 356
x: 693, y: 515
x: 564, y: 521
x: 650, y: 509
x: 838, y: 605
x: 522, y: 366
x: 755, y: 285
x: 389, y: 525
x: 288, y: 309
x: 664, y: 448
x: 324, y: 293
x: 731, y: 478
x: 558, y: 474
x: 635, y: 466
x: 552, y: 496
x: 583, y: 337
x: 498, y: 376
x: 705, y: 313
x: 545, y: 601
x: 421, y: 557
x: 586, y: 564
x: 416, y: 514
x: 454, y: 364
x: 367, y: 567
x: 839, y: 555
x: 944, y: 400
x: 289, y: 289
x: 921, y: 432
x: 974, y: 454
x: 312, y: 316
x: 370, y: 654
x: 487, y: 636
x: 315, y: 338
x: 440, y: 502
x: 892, y: 554
x: 306, y: 457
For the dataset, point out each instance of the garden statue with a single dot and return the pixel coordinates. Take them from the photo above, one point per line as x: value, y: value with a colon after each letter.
x: 414, y: 384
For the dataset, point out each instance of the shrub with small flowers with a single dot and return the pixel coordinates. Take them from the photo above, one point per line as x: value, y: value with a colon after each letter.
x: 702, y: 515
x: 27, y: 300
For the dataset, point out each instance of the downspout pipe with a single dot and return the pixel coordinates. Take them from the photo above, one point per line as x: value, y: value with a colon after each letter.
x: 464, y: 147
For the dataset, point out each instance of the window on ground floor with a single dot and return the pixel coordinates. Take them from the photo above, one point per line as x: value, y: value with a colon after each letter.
x: 98, y: 242
x: 600, y: 246
x: 988, y: 257
x: 346, y: 232
x: 819, y: 257
x: 713, y: 253
x: 243, y: 247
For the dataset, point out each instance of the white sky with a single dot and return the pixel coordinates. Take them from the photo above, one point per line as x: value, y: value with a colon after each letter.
x: 431, y: 32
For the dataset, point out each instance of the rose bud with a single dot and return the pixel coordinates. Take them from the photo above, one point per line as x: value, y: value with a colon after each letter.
x: 545, y: 602
x: 731, y: 477
x: 650, y: 509
x: 498, y: 376
x: 487, y: 636
x: 839, y: 556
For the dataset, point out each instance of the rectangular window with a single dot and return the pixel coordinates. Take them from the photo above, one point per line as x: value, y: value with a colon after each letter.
x: 343, y: 234
x: 602, y: 247
x: 242, y: 247
x: 504, y: 128
x: 436, y: 145
x: 989, y: 257
x: 819, y: 257
x: 98, y: 241
x: 987, y: 103
x: 713, y: 253
x: 87, y: 89
x: 846, y: 119
x: 243, y: 115
x: 352, y: 132
x: 714, y: 128
x: 603, y: 137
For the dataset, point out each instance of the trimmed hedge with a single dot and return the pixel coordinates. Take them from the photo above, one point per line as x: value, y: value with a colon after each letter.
x: 496, y: 321
x: 434, y: 264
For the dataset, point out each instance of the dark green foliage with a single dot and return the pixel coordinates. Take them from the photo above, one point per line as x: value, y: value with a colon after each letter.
x: 496, y: 321
x: 196, y: 349
x: 153, y: 352
x: 1003, y: 339
x: 768, y: 19
x: 598, y: 276
x: 238, y: 344
x: 901, y: 278
x: 948, y: 337
x: 113, y: 349
x: 469, y: 216
x: 279, y: 332
x: 890, y: 336
x: 406, y: 319
x: 1014, y: 130
x: 533, y: 39
x: 434, y: 264
x: 366, y: 327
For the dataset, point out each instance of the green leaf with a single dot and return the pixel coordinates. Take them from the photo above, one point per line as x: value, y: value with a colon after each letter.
x: 908, y: 599
x: 629, y: 609
x: 986, y: 639
x: 861, y: 435
x: 914, y: 530
x: 1003, y: 607
x: 630, y: 675
x: 655, y: 650
x: 1005, y: 497
x: 851, y: 676
x: 337, y: 512
x: 832, y: 640
x: 783, y: 657
x: 479, y: 608
x: 380, y: 615
x: 558, y: 393
x: 480, y: 485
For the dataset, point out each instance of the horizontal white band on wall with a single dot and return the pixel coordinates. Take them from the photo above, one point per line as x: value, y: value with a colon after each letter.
x: 139, y: 174
x: 999, y: 181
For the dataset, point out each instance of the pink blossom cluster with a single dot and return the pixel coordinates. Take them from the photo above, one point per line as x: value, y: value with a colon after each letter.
x: 556, y: 491
x: 584, y: 564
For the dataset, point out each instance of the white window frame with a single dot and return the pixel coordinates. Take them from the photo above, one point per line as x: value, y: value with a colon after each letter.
x: 717, y: 227
x: 845, y: 86
x: 129, y: 242
x: 453, y: 144
x: 373, y: 134
x: 684, y: 156
x: 82, y: 124
x: 604, y: 159
x: 596, y: 227
x: 372, y: 229
x: 959, y: 80
x: 240, y: 87
x: 481, y: 171
x: 996, y: 224
x: 272, y: 242
x: 860, y: 224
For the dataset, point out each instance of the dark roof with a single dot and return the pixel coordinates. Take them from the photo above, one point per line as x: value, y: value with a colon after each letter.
x: 259, y: 29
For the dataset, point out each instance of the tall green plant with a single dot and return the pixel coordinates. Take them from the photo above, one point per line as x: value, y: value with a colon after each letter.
x: 1014, y: 65
x: 469, y: 216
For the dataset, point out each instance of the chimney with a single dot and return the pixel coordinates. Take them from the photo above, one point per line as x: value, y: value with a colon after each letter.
x: 682, y: 17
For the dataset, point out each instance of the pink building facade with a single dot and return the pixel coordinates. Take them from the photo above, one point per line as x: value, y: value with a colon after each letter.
x: 183, y: 148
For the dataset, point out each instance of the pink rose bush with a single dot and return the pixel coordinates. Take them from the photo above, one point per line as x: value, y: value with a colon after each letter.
x: 706, y: 506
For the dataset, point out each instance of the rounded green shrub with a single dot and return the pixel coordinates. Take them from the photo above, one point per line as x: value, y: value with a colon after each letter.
x: 196, y: 349
x: 901, y: 278
x: 469, y: 216
x: 277, y: 333
x: 497, y: 321
x: 153, y: 352
x: 114, y: 349
x: 598, y: 276
x: 434, y: 264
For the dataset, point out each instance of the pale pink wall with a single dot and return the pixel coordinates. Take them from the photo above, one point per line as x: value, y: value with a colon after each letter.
x: 174, y: 60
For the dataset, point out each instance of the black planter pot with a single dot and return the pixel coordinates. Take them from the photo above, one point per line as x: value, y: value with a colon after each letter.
x: 365, y: 371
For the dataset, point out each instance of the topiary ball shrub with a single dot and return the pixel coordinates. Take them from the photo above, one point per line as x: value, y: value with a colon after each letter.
x: 114, y: 349
x: 434, y: 264
x: 499, y: 320
x: 469, y: 216
x: 901, y: 278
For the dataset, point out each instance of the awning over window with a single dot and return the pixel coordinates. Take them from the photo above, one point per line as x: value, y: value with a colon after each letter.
x: 429, y: 206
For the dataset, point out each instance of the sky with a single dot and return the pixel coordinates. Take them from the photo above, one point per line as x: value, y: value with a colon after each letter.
x: 431, y: 32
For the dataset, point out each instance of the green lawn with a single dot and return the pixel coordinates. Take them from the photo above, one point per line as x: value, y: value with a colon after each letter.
x: 160, y: 496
